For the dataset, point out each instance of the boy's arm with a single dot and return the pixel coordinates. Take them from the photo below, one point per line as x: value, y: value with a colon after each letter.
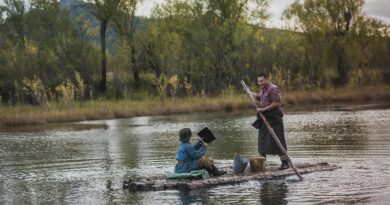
x: 196, y: 154
x: 198, y: 145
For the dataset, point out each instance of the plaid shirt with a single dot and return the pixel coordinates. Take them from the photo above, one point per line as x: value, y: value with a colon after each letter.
x: 270, y: 93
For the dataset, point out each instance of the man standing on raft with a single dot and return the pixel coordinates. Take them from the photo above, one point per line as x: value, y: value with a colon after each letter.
x: 269, y: 101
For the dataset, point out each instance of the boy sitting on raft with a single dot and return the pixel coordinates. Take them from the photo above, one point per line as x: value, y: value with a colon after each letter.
x: 191, y: 157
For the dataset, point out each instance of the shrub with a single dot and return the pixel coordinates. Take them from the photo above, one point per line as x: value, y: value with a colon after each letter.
x: 34, y: 90
x: 65, y: 91
x: 173, y: 84
x: 79, y: 86
x: 161, y: 85
x: 187, y: 87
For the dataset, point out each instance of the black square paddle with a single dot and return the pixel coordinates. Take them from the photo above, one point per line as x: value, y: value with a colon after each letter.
x: 206, y: 135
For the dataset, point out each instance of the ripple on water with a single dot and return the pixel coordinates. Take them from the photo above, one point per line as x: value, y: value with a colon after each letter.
x: 85, y: 166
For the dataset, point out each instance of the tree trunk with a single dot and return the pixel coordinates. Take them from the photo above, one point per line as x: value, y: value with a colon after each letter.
x: 132, y: 48
x: 103, y: 28
x: 341, y: 67
x: 135, y: 67
x: 153, y: 60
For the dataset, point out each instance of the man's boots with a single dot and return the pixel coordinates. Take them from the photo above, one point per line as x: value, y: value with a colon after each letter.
x: 214, y: 170
x: 263, y: 155
x: 284, y: 165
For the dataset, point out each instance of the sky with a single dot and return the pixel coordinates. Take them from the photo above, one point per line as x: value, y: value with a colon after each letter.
x: 379, y: 9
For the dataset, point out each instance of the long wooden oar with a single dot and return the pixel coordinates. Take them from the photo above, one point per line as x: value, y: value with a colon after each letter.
x: 271, y: 131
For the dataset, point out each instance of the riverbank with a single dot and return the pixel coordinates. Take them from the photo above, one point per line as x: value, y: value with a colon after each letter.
x: 96, y: 110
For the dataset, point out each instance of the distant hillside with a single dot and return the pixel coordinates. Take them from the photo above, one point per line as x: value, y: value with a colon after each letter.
x: 79, y: 9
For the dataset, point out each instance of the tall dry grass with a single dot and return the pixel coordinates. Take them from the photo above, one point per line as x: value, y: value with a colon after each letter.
x: 27, y: 115
x: 320, y: 96
x: 94, y: 110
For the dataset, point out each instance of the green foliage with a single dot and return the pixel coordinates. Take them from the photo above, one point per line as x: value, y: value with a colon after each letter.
x: 356, y: 78
x: 173, y: 84
x: 34, y: 91
x: 162, y: 84
x: 79, y: 86
x: 167, y: 86
x: 199, y: 47
x: 229, y: 91
x: 119, y: 86
x: 277, y: 77
x: 336, y: 33
x: 65, y: 92
x: 187, y: 87
x: 360, y: 77
x: 104, y: 11
x: 49, y: 47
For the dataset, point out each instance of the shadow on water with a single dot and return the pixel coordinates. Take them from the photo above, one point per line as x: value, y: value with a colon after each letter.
x: 259, y: 192
x: 274, y: 192
x: 193, y: 197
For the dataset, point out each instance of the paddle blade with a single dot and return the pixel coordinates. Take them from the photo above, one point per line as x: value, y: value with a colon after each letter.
x: 206, y: 135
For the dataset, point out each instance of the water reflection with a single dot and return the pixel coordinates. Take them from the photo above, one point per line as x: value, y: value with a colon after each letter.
x: 193, y: 197
x: 315, y: 131
x: 340, y: 130
x: 274, y: 192
x: 51, y: 126
x: 83, y: 166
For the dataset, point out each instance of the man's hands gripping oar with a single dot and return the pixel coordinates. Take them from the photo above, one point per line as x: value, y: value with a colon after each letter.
x: 271, y: 131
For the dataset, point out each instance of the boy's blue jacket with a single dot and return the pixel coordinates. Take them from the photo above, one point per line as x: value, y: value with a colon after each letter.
x: 189, y: 157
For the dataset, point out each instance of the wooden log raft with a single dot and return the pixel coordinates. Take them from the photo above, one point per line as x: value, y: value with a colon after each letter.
x: 161, y: 183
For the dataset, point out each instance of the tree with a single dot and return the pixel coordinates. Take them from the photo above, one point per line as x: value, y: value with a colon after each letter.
x: 12, y: 40
x: 338, y: 23
x: 125, y: 22
x: 15, y: 24
x: 103, y: 10
x: 210, y: 36
x: 41, y: 42
x: 229, y: 17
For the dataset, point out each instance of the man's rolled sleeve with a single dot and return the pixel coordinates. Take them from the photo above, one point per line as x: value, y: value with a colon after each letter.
x: 275, y: 95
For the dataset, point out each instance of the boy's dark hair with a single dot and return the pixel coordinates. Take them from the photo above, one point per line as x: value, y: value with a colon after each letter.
x: 263, y: 74
x: 185, y: 135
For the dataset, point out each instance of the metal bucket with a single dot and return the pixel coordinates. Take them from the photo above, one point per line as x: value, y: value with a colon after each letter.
x: 239, y: 164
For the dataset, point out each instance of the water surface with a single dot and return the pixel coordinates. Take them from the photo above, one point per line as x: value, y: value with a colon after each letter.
x: 86, y: 163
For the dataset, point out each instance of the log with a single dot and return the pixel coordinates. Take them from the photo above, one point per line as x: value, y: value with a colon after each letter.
x: 257, y: 164
x: 162, y: 183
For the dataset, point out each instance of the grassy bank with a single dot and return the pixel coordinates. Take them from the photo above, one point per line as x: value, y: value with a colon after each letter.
x: 94, y: 110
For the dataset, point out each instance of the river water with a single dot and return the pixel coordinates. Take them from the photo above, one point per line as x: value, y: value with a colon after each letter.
x: 86, y: 162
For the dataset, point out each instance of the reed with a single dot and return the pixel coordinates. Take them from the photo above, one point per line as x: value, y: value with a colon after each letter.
x: 95, y: 110
x: 323, y: 96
